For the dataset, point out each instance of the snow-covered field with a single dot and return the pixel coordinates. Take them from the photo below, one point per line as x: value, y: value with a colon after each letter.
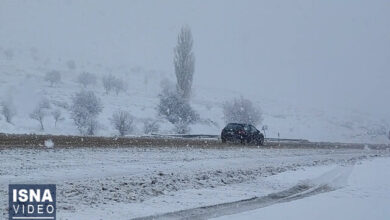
x: 124, y: 183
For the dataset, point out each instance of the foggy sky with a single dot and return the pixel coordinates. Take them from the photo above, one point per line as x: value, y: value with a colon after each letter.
x: 331, y: 55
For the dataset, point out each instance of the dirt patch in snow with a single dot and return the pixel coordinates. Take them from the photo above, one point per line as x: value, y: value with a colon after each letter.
x: 65, y: 141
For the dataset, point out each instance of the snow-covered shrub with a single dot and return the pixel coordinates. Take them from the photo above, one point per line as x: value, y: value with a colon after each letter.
x: 40, y: 112
x: 176, y: 110
x: 242, y: 111
x: 86, y: 79
x: 151, y: 126
x: 122, y: 122
x: 84, y: 111
x: 53, y: 77
x: 57, y: 116
x: 184, y: 61
x: 110, y: 82
x: 8, y: 110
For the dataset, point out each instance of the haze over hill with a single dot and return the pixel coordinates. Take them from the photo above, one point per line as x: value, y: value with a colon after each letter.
x: 319, y: 70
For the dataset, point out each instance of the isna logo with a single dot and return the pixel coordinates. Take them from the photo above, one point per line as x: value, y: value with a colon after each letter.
x: 32, y: 201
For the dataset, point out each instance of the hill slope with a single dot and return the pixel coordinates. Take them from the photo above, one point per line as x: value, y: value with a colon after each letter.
x: 22, y: 81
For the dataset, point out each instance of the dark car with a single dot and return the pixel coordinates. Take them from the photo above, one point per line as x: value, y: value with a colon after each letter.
x: 244, y: 133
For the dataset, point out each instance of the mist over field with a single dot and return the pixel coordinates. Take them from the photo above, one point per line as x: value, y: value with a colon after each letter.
x: 318, y: 70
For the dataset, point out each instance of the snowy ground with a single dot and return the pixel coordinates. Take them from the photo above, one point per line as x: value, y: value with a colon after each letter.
x: 123, y: 183
x: 364, y: 195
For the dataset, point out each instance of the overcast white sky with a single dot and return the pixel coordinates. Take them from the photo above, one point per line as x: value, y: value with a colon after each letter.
x: 326, y: 54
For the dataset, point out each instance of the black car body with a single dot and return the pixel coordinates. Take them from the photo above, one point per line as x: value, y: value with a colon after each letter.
x: 243, y: 133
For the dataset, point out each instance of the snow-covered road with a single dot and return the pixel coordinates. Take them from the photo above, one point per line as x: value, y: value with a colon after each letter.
x: 364, y: 195
x: 124, y: 183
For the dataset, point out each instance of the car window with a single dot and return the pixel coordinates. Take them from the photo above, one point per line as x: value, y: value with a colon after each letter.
x: 234, y: 126
x: 253, y: 128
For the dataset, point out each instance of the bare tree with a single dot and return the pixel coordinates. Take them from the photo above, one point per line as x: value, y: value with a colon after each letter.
x: 110, y: 82
x: 84, y: 111
x: 56, y: 113
x: 8, y: 110
x: 151, y: 126
x: 53, y: 77
x: 184, y: 61
x: 40, y: 112
x: 242, y: 111
x: 264, y: 128
x: 122, y: 122
x: 86, y: 79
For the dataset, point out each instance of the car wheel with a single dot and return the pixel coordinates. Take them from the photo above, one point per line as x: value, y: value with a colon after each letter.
x: 260, y: 141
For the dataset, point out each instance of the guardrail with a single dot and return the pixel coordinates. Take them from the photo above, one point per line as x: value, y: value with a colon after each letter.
x: 200, y: 136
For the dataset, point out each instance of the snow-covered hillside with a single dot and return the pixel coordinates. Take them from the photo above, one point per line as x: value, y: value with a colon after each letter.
x: 22, y: 81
